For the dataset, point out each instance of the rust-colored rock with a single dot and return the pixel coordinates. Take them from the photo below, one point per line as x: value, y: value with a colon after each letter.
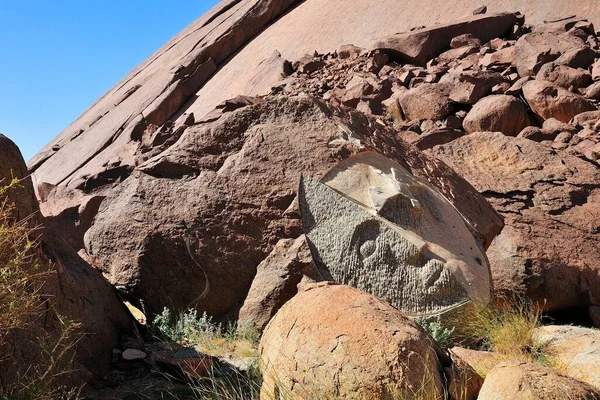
x: 544, y: 197
x: 337, y: 340
x: 523, y: 381
x: 427, y: 101
x: 230, y: 186
x: 497, y: 113
x: 277, y: 279
x: 550, y: 101
x: 419, y: 46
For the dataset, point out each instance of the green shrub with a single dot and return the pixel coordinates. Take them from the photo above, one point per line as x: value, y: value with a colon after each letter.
x: 443, y: 335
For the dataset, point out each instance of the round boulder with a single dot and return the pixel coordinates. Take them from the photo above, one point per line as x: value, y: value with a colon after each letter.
x: 497, y: 113
x: 517, y: 380
x: 334, y: 340
x: 551, y: 101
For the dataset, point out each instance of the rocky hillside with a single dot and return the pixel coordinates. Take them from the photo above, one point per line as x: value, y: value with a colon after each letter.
x: 430, y: 159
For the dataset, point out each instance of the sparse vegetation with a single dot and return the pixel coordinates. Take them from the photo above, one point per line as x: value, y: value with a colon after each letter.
x: 21, y: 279
x: 443, y: 335
x: 508, y: 331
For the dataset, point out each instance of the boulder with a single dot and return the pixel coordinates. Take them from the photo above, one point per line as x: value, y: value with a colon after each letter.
x: 497, y: 113
x: 550, y: 101
x: 421, y: 45
x: 596, y: 70
x: 471, y: 86
x: 574, y: 350
x: 554, y: 125
x: 481, y: 361
x: 372, y: 225
x: 227, y: 190
x: 499, y: 60
x: 22, y: 195
x: 276, y: 281
x: 565, y: 76
x: 427, y: 101
x: 464, y: 383
x: 593, y: 91
x: 465, y: 40
x: 544, y: 197
x: 538, y: 48
x: 523, y: 381
x: 335, y: 340
x: 536, y: 134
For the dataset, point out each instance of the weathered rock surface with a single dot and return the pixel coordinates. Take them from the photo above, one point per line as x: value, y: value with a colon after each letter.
x: 421, y: 45
x: 575, y: 351
x: 427, y: 101
x: 523, y: 381
x: 13, y: 166
x: 550, y: 101
x: 565, y: 76
x: 386, y: 235
x: 71, y: 289
x: 535, y: 49
x: 278, y: 276
x: 337, y: 340
x: 464, y: 382
x: 231, y: 183
x: 497, y: 113
x: 544, y: 197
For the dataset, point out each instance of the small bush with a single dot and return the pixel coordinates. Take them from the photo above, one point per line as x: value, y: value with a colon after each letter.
x: 443, y: 335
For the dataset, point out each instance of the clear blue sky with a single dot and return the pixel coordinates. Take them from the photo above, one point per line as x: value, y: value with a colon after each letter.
x: 58, y: 56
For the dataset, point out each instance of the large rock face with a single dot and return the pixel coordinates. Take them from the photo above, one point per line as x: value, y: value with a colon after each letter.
x: 549, y: 248
x: 110, y: 130
x: 338, y: 341
x: 231, y: 185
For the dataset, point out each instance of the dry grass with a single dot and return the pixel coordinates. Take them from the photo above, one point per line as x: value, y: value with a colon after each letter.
x: 508, y: 331
x: 21, y: 279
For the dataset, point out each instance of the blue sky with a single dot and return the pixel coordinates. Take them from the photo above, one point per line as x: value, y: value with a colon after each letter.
x: 58, y: 56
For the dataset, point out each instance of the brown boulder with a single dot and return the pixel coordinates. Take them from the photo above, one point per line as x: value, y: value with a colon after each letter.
x: 278, y: 276
x: 336, y: 340
x: 523, y: 381
x: 593, y: 91
x: 421, y: 45
x: 229, y: 185
x: 574, y: 349
x: 13, y: 166
x: 544, y: 197
x: 427, y: 101
x: 536, y: 134
x: 497, y: 113
x: 538, y: 48
x: 565, y: 76
x: 471, y: 86
x: 550, y: 101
